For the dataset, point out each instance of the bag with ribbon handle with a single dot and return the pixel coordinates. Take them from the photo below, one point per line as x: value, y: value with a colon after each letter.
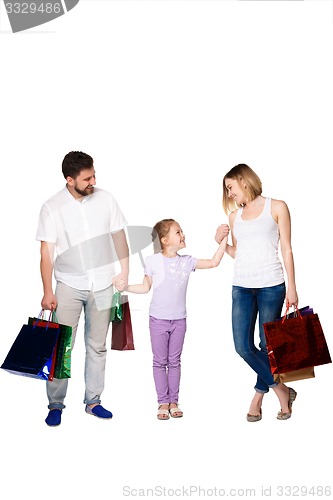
x: 63, y: 350
x: 295, y: 345
x: 120, y: 316
x: 33, y: 351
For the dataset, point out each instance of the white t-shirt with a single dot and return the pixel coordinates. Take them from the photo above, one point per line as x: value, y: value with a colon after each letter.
x: 81, y: 231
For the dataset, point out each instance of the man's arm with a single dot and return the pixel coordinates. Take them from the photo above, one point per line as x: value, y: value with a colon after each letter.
x: 49, y: 301
x: 121, y: 246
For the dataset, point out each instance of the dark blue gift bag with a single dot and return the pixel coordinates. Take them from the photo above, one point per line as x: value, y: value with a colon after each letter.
x: 32, y: 351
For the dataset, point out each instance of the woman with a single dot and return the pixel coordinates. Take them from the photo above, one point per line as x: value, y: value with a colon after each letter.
x: 257, y: 226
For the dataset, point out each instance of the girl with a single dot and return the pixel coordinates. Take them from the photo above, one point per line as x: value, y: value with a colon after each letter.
x: 169, y: 273
x: 257, y: 225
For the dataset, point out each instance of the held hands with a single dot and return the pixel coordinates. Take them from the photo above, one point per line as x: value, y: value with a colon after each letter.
x: 120, y: 282
x: 221, y: 232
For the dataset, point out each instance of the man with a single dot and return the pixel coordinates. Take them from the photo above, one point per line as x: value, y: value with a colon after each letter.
x: 81, y: 230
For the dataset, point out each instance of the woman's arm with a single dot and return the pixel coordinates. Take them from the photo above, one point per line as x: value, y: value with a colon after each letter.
x: 230, y: 249
x: 281, y: 215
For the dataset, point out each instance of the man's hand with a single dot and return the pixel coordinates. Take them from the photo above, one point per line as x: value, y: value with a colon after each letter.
x: 120, y: 282
x: 49, y: 302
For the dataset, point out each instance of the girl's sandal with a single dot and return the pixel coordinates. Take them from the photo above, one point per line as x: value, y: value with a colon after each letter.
x: 162, y: 413
x: 176, y: 412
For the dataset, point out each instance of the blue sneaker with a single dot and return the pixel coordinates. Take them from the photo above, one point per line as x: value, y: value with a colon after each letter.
x: 98, y: 411
x: 54, y: 417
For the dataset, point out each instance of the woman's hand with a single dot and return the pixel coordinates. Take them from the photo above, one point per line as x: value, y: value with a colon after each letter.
x: 291, y: 297
x: 221, y: 232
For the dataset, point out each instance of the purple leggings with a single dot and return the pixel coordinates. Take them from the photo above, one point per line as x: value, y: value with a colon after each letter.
x: 167, y: 339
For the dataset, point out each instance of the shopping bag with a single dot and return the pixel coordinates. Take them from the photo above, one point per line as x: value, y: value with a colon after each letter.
x: 116, y: 313
x: 122, y: 333
x: 303, y: 312
x: 301, y: 374
x: 296, y: 343
x: 61, y: 367
x: 40, y: 321
x: 32, y: 352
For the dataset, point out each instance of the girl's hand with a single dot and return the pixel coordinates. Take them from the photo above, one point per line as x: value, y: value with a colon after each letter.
x: 120, y: 283
x: 221, y: 232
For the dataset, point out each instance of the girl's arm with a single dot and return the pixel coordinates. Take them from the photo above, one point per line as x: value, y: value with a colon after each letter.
x: 144, y: 287
x: 215, y: 260
x: 281, y: 214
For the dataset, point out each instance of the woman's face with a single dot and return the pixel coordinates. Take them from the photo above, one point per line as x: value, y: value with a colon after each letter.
x: 235, y: 190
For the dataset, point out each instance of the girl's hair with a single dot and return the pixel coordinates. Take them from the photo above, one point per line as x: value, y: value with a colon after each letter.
x: 160, y: 230
x: 251, y: 183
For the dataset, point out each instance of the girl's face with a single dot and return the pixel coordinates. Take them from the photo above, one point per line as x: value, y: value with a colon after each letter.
x: 235, y: 190
x: 175, y: 238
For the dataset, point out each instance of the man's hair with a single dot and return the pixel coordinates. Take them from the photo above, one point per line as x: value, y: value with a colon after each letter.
x: 74, y: 162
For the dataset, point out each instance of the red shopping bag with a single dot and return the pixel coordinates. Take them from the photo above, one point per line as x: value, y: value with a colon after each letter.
x: 122, y: 333
x: 40, y: 321
x: 296, y: 343
x: 61, y: 359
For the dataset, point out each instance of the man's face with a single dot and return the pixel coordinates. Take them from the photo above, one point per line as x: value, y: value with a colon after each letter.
x: 84, y: 183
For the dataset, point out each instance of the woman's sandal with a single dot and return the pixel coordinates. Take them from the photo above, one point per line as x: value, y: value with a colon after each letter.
x: 292, y: 397
x: 176, y: 412
x: 254, y: 418
x: 163, y: 413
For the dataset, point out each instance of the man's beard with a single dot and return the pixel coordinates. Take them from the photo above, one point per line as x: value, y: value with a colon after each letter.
x: 85, y: 192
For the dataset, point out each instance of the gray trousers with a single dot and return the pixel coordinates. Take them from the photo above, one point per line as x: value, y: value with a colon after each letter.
x: 96, y: 306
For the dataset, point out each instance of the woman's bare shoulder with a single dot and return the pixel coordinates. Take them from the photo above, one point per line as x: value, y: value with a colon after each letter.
x: 279, y: 207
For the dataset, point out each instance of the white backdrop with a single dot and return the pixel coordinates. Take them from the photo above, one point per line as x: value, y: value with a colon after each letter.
x: 167, y: 96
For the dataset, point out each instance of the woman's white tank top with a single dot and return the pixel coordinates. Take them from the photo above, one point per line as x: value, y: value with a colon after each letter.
x: 257, y: 263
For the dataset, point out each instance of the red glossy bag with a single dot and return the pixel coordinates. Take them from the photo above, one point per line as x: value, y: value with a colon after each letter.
x: 296, y: 343
x: 61, y: 359
x: 122, y: 333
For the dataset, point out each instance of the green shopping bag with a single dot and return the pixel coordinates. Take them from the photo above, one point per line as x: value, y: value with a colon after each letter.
x: 116, y: 313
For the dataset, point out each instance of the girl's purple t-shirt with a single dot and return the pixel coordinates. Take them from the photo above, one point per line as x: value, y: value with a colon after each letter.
x: 170, y: 278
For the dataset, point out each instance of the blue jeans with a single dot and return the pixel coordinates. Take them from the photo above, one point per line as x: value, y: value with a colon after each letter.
x: 246, y: 304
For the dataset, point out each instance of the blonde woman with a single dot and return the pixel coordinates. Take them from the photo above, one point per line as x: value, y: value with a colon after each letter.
x: 258, y: 225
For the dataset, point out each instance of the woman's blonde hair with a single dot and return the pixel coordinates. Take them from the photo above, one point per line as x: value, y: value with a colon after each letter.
x: 160, y: 230
x: 247, y: 179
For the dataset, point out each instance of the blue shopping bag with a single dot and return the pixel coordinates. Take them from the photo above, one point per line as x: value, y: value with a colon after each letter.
x: 31, y: 354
